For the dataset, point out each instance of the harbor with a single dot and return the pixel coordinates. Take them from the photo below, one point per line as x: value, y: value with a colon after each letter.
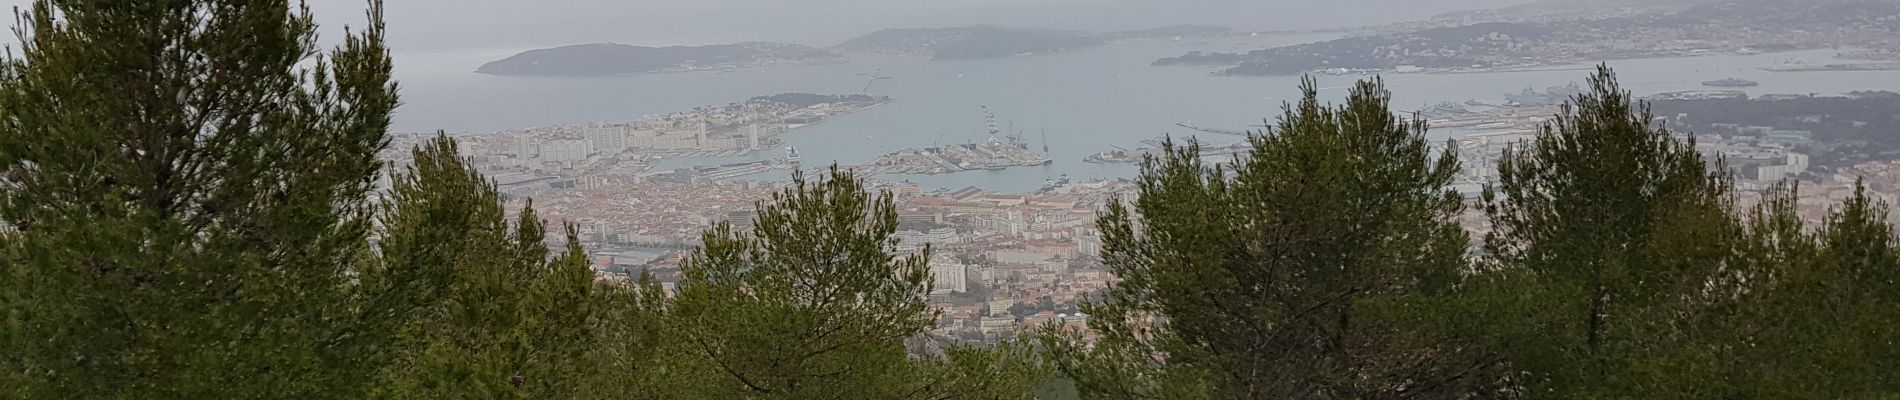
x: 737, y: 170
x: 1096, y: 108
x: 998, y: 152
x: 1213, y: 153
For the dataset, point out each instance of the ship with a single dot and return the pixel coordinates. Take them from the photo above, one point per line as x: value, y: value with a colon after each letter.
x: 1551, y: 96
x: 1120, y: 155
x: 1731, y: 82
x: 1050, y: 184
x: 1531, y: 98
x: 1444, y: 109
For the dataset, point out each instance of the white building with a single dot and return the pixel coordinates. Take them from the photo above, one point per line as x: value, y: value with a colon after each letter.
x: 908, y: 240
x: 1090, y: 246
x: 608, y: 140
x: 564, y: 150
x: 949, y: 275
x: 525, y: 149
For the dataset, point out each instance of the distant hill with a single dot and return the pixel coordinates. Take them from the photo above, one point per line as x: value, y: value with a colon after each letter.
x: 989, y: 41
x: 1167, y: 32
x: 1707, y: 27
x: 981, y: 41
x: 1431, y: 48
x: 610, y: 59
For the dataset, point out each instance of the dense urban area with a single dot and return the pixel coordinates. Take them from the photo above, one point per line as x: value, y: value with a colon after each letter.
x: 194, y: 204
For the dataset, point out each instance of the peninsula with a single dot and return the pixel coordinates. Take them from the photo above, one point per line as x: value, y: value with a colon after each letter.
x: 1465, y: 42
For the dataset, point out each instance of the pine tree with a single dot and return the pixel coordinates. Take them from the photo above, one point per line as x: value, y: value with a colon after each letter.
x: 630, y: 355
x: 1011, y: 369
x: 1608, y: 232
x: 1309, y: 270
x: 488, y: 313
x: 187, y: 183
x: 814, y: 301
x: 1821, y: 323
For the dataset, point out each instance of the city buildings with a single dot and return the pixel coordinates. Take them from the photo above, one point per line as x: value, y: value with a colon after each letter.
x: 948, y: 274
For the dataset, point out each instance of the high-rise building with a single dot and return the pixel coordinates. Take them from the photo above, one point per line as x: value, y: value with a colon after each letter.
x: 525, y: 149
x: 699, y: 137
x: 752, y: 136
x: 948, y: 274
x: 564, y: 150
x: 607, y: 140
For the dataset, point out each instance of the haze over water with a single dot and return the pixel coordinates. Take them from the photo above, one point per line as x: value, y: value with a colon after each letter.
x: 1086, y: 101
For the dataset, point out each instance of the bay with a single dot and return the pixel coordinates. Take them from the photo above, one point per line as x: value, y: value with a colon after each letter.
x: 1082, y: 102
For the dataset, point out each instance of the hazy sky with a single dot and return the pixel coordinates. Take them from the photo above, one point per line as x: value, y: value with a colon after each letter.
x: 448, y: 25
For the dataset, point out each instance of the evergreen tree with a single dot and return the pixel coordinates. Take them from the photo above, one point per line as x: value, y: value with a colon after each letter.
x: 1312, y: 269
x: 490, y: 315
x: 812, y: 302
x: 559, y: 331
x: 1008, y: 370
x: 1608, y: 235
x: 187, y: 185
x: 815, y: 302
x: 1820, y: 320
x: 629, y: 356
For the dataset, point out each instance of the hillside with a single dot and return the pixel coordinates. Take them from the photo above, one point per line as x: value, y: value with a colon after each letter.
x: 988, y: 41
x: 610, y: 59
x: 974, y: 42
x: 1717, y: 27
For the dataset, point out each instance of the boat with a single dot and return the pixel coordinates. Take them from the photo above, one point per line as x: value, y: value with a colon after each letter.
x: 1531, y: 98
x: 1566, y: 91
x: 1731, y: 82
x: 1445, y: 109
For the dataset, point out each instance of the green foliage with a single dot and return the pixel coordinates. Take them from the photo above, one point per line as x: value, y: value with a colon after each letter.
x: 489, y: 313
x: 629, y: 355
x: 815, y: 303
x: 189, y: 182
x: 1311, y: 270
x: 1006, y: 370
x: 1620, y: 268
x: 1606, y: 233
x: 188, y: 209
x: 1818, y: 320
